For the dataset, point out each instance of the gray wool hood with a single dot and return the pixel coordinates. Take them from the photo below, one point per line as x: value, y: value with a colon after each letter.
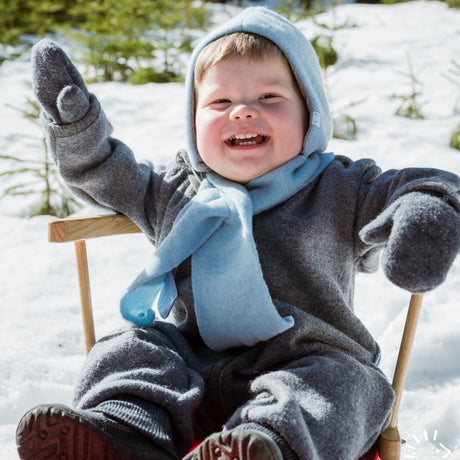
x: 304, y: 64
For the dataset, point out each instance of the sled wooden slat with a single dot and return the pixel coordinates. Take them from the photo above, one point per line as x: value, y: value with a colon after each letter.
x: 79, y: 229
x: 83, y: 228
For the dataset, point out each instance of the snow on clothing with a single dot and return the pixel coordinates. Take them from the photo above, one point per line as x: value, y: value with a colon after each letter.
x: 316, y: 384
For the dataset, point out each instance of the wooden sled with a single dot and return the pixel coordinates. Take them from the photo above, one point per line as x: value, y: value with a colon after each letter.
x: 79, y: 229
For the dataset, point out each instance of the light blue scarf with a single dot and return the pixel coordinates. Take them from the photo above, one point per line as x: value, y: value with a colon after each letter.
x: 233, y: 306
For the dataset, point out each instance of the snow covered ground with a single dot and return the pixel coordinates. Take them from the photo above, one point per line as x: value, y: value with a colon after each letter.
x: 41, y: 346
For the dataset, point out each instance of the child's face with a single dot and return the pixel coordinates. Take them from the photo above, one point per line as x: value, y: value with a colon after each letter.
x: 250, y: 117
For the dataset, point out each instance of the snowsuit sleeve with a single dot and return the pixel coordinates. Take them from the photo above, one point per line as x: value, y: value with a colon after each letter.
x: 412, y: 214
x: 104, y: 172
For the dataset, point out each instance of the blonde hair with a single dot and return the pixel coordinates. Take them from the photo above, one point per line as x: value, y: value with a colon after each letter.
x: 235, y: 45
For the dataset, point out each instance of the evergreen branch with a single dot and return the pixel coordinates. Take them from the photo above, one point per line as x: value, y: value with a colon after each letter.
x: 351, y: 105
x: 18, y: 171
x: 13, y: 190
x: 19, y: 160
x: 32, y: 113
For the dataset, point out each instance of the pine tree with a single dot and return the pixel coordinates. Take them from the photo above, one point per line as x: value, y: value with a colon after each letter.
x: 344, y: 126
x: 410, y: 104
x: 21, y: 17
x: 36, y: 177
x: 135, y: 40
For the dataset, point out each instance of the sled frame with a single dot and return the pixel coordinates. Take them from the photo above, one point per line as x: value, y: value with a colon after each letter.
x: 79, y: 229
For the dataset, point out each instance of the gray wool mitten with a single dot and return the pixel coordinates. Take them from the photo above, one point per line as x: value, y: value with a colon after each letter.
x: 420, y: 236
x: 58, y: 85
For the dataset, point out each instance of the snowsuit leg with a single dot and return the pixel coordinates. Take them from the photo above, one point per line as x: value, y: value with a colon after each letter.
x: 327, y: 405
x: 138, y: 377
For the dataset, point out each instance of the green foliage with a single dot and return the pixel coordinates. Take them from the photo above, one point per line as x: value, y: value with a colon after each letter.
x: 393, y: 2
x: 150, y: 75
x: 410, y: 105
x: 344, y: 126
x: 327, y: 54
x: 126, y: 40
x: 22, y: 17
x: 453, y: 75
x: 295, y: 10
x: 37, y: 177
x: 455, y: 138
x: 234, y: 2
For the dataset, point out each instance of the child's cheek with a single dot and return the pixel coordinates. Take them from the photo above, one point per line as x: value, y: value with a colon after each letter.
x: 207, y: 133
x: 208, y: 126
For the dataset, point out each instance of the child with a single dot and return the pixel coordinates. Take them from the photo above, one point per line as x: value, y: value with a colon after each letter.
x: 253, y: 350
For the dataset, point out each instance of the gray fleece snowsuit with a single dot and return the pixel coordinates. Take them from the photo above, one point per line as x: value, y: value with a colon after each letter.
x: 317, y: 384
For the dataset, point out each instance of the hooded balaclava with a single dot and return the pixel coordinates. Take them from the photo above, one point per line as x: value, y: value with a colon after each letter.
x: 304, y: 65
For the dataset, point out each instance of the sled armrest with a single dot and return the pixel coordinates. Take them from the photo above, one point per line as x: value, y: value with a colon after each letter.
x: 390, y: 440
x: 83, y: 228
x: 79, y: 229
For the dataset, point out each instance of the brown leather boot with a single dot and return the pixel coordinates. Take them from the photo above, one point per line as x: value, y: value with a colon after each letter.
x: 241, y: 444
x: 56, y: 432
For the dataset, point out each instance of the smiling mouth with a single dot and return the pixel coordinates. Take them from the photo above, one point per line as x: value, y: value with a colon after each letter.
x: 246, y: 139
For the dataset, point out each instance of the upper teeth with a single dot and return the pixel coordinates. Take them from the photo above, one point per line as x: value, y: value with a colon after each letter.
x: 247, y: 139
x: 245, y: 136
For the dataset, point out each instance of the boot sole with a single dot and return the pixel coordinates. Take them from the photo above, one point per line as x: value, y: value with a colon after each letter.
x: 237, y: 444
x: 57, y: 433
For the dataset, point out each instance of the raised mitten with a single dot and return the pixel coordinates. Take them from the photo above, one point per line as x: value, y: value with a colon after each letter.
x: 58, y: 85
x: 420, y: 234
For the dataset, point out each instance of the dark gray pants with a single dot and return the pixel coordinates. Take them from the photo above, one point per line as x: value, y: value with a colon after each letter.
x: 324, y: 403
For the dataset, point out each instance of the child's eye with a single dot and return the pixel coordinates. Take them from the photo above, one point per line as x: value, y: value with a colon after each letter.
x: 218, y: 104
x: 268, y: 97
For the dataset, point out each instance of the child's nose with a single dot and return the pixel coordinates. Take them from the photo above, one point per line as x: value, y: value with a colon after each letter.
x: 243, y: 111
